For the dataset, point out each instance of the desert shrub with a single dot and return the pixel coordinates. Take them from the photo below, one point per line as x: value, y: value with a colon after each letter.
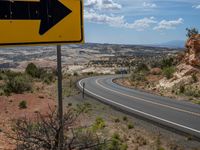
x: 196, y: 102
x: 32, y: 70
x: 117, y: 120
x: 69, y: 104
x: 160, y: 148
x: 139, y: 76
x: 121, y: 71
x: 141, y: 67
x: 90, y: 73
x: 1, y: 76
x: 139, y: 73
x: 182, y: 88
x: 116, y: 143
x: 117, y: 72
x: 47, y: 76
x: 8, y: 74
x: 167, y: 62
x: 18, y: 84
x: 99, y: 124
x: 187, y: 90
x: 155, y: 64
x: 125, y: 118
x: 75, y: 74
x: 192, y: 91
x: 23, y: 105
x: 194, y: 78
x: 130, y: 126
x: 85, y: 107
x: 168, y: 72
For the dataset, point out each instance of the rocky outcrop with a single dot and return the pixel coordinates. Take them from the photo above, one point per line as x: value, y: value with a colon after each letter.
x: 183, y: 74
x: 186, y: 68
x: 156, y: 71
x: 192, y: 56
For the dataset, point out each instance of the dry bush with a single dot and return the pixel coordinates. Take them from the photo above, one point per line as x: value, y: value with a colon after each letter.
x: 42, y: 133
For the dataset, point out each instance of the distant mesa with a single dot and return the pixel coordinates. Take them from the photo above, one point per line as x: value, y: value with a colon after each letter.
x: 172, y: 44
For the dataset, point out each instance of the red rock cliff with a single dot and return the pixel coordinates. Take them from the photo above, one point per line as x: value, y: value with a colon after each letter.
x: 193, y: 51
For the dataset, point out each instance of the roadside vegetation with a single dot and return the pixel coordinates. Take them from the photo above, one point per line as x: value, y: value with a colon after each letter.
x: 148, y: 75
x: 45, y: 75
x: 164, y: 67
x: 44, y: 130
x: 20, y: 82
x: 122, y: 132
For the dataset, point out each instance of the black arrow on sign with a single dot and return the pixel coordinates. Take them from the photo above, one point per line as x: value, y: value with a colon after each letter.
x: 50, y: 12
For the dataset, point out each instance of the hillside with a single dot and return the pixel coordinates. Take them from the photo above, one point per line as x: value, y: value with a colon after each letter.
x: 176, y: 76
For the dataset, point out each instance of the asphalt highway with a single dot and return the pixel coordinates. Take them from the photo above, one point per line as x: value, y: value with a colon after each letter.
x: 179, y: 115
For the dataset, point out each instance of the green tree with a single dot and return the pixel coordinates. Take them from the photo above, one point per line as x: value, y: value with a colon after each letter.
x: 191, y: 31
x: 142, y: 67
x: 32, y: 70
x: 168, y: 72
x: 167, y: 62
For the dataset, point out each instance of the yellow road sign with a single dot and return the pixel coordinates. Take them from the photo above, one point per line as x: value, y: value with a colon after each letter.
x: 41, y: 22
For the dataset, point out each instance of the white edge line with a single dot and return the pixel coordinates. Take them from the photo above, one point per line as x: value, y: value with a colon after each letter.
x: 147, y: 101
x: 138, y: 111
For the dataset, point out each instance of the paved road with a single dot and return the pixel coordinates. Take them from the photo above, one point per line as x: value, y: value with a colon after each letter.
x: 179, y: 115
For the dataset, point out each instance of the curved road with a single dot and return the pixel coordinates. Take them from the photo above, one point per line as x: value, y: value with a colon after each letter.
x: 179, y: 115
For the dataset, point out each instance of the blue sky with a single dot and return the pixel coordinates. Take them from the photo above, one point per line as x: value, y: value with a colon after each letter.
x: 139, y: 21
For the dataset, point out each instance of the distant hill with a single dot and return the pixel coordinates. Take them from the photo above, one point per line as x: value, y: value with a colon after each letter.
x: 172, y: 44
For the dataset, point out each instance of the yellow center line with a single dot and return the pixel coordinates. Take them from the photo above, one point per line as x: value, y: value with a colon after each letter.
x: 141, y: 99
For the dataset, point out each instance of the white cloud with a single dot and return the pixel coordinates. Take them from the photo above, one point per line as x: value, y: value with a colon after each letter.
x: 141, y: 24
x: 92, y: 16
x: 102, y: 4
x: 149, y: 5
x: 196, y: 7
x: 119, y: 21
x: 172, y: 24
x: 94, y: 8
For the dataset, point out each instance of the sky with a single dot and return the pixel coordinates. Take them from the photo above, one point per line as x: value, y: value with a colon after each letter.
x: 139, y: 21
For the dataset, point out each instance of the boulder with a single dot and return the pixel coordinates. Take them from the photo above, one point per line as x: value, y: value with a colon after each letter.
x: 156, y: 71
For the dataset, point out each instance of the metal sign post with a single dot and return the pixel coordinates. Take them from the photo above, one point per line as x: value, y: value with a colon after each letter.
x: 83, y: 94
x: 60, y: 103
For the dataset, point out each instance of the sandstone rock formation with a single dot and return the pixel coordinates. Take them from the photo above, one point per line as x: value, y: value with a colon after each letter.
x: 183, y: 74
x: 188, y: 67
x: 193, y: 51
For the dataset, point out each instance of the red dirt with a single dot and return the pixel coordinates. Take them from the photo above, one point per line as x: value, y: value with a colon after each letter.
x: 10, y: 110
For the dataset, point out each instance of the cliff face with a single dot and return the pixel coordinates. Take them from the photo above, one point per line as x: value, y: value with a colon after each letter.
x: 188, y: 67
x: 193, y: 51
